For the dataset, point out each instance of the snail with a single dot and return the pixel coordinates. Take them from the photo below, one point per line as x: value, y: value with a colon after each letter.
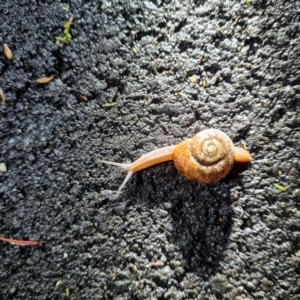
x: 207, y: 157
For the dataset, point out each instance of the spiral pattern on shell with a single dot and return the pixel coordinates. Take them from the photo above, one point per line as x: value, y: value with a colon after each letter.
x: 207, y: 157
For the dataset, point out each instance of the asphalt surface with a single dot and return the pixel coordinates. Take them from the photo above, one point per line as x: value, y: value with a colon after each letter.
x: 236, y: 238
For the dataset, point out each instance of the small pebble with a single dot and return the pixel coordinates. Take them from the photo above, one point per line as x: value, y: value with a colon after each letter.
x: 3, y: 167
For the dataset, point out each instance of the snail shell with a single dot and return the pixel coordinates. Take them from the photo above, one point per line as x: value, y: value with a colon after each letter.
x: 207, y: 157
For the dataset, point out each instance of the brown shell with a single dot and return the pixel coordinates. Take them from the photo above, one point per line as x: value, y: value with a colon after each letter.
x: 207, y: 157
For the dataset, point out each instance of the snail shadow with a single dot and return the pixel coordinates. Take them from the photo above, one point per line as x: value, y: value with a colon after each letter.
x: 201, y: 214
x: 201, y: 227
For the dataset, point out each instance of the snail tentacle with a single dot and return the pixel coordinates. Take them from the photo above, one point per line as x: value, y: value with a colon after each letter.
x: 147, y: 160
x: 123, y: 166
x: 241, y: 155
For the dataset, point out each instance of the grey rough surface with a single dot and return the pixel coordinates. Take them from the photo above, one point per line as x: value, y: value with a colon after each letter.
x: 238, y: 237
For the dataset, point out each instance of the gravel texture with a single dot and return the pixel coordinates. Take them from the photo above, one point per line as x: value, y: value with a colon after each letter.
x: 237, y: 238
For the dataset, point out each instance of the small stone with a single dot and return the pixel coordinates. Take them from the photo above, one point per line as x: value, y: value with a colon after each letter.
x: 193, y: 79
x: 3, y: 167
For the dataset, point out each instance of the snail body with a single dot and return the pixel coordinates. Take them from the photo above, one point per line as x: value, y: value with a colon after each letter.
x: 207, y: 157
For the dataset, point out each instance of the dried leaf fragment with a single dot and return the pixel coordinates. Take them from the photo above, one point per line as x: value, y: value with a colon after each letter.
x: 112, y: 104
x: 248, y: 3
x: 156, y: 264
x: 133, y: 50
x: 66, y: 8
x: 280, y: 187
x: 67, y: 35
x: 7, y: 52
x: 68, y: 24
x: 183, y: 95
x: 58, y: 283
x: 2, y: 96
x: 21, y: 242
x: 44, y: 80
